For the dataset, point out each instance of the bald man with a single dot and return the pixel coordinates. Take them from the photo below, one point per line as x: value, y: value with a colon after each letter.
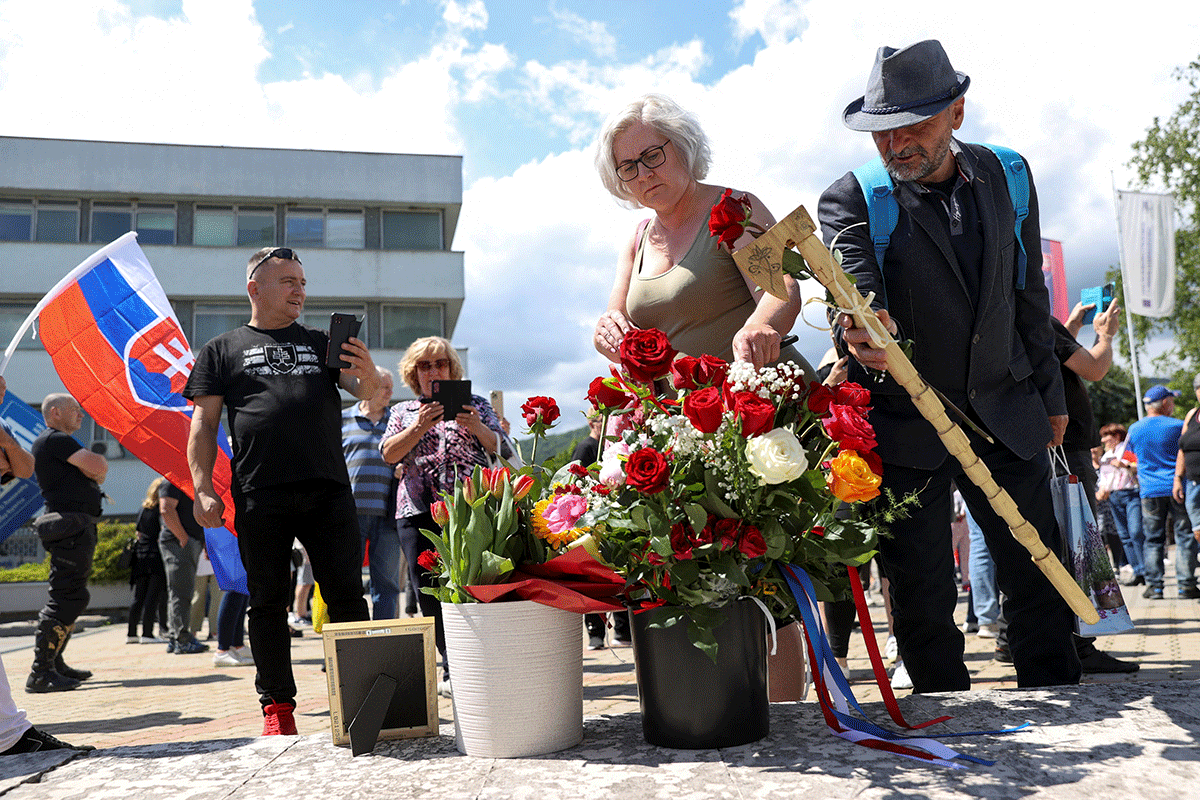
x: 69, y: 476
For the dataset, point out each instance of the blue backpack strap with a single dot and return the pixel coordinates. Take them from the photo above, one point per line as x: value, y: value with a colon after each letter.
x: 883, y: 212
x: 1018, y: 191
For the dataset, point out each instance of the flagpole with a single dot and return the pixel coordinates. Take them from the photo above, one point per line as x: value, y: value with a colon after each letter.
x: 1137, y: 380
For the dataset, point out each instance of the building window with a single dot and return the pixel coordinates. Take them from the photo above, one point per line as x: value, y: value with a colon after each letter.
x: 16, y: 220
x: 100, y: 440
x: 155, y: 224
x: 319, y: 227
x: 44, y: 221
x: 57, y: 221
x: 11, y: 317
x: 404, y: 324
x: 210, y: 321
x: 412, y: 230
x: 229, y: 226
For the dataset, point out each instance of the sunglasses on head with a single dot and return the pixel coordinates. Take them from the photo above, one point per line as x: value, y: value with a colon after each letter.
x: 286, y: 253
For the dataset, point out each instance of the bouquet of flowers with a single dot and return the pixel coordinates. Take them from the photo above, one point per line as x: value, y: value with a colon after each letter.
x: 490, y: 523
x: 698, y: 500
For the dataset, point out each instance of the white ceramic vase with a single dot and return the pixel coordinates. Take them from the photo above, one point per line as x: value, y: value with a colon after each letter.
x: 516, y: 669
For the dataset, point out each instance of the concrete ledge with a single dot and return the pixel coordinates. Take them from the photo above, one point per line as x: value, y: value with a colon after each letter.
x: 21, y: 599
x: 1084, y: 742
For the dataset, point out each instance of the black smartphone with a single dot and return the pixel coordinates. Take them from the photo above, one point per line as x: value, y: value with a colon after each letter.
x: 341, y: 328
x: 1102, y: 296
x: 453, y: 395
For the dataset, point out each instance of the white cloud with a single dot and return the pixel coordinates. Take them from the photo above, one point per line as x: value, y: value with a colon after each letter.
x: 776, y: 21
x: 593, y: 34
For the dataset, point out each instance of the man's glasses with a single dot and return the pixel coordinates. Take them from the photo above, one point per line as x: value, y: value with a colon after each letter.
x: 286, y: 253
x: 654, y: 157
x: 426, y: 366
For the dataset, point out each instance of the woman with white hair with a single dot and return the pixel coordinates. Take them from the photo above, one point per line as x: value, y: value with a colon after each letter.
x: 671, y: 274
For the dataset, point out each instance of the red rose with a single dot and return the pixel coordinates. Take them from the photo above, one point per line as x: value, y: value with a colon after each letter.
x: 690, y: 372
x: 846, y: 426
x: 819, y: 398
x: 752, y: 544
x: 729, y: 217
x: 647, y: 471
x: 756, y: 414
x: 726, y: 531
x: 704, y: 409
x: 646, y: 354
x: 874, y: 462
x: 681, y: 543
x: 603, y: 396
x: 428, y: 560
x: 540, y: 409
x: 851, y: 394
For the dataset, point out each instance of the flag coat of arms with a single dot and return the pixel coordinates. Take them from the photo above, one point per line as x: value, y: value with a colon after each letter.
x: 120, y: 351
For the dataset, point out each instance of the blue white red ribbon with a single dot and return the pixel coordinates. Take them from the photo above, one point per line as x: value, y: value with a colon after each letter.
x: 836, y: 697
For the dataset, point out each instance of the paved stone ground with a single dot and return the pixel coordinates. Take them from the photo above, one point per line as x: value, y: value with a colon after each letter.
x: 148, y: 705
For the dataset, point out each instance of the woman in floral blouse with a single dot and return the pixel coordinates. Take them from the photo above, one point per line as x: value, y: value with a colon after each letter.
x: 432, y: 454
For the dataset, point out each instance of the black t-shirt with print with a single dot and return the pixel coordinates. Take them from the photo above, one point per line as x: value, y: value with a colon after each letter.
x: 284, y: 409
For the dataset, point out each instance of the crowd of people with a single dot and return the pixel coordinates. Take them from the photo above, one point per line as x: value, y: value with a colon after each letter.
x: 958, y: 275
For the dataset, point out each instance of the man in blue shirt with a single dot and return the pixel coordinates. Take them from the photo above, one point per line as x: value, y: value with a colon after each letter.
x: 1154, y: 440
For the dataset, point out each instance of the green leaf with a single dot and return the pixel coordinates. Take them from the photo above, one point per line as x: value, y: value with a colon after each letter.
x: 697, y: 516
x: 793, y: 264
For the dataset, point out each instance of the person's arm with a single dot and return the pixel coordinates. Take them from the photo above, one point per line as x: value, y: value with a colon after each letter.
x: 360, y: 379
x: 614, y: 322
x: 1177, y: 484
x: 93, y: 465
x: 482, y: 421
x: 758, y: 339
x: 168, y: 507
x: 202, y: 448
x: 1093, y: 363
x: 20, y: 462
x: 842, y: 211
x: 396, y: 446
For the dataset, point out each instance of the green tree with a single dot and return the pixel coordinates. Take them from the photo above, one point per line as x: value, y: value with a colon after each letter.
x: 1169, y: 156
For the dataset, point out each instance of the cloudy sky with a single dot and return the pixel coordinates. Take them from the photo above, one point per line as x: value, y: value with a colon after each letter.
x: 520, y: 89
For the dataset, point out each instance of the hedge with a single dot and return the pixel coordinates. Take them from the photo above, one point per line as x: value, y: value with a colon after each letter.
x: 111, y: 539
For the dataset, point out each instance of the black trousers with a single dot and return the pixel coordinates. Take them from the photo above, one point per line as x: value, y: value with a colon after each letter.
x: 322, y: 515
x: 918, y: 560
x: 149, y: 584
x: 70, y: 566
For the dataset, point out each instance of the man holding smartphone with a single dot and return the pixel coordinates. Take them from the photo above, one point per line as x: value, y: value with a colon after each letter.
x: 289, y: 476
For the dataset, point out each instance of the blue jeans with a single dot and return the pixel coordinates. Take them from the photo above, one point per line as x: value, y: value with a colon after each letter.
x: 1126, y: 508
x: 1154, y: 517
x: 982, y: 570
x: 384, y: 557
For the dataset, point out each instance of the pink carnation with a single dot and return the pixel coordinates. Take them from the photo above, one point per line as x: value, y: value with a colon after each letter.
x: 563, y: 512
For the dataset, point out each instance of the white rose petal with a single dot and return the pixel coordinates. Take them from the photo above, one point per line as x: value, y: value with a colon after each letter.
x: 777, y: 456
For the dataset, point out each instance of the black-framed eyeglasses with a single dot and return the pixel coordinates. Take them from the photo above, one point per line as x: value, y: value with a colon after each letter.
x: 426, y: 366
x: 286, y: 253
x: 654, y: 157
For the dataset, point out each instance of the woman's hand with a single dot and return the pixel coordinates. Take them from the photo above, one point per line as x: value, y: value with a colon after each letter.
x: 757, y: 343
x: 469, y: 419
x: 610, y: 330
x: 429, y: 415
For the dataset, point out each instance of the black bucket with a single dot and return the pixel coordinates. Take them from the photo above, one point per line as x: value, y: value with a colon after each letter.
x: 690, y: 703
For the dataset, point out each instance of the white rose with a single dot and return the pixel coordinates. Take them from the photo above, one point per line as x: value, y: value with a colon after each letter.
x: 777, y: 456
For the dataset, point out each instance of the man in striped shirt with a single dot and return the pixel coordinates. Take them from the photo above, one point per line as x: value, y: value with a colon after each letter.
x: 370, y: 477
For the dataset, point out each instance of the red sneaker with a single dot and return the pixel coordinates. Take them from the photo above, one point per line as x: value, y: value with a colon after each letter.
x: 278, y: 720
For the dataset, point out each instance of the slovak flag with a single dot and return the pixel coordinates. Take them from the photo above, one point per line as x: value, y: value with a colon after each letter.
x: 119, y: 350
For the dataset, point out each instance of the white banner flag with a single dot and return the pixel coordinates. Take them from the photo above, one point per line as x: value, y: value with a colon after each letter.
x: 1147, y: 233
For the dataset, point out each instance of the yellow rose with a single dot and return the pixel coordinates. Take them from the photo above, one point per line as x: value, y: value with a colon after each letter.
x: 777, y: 456
x: 851, y: 480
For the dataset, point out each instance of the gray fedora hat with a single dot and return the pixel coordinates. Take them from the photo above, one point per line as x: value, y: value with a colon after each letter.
x: 906, y: 86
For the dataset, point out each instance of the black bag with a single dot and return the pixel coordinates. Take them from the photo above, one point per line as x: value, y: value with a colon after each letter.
x: 56, y: 526
x: 128, y: 554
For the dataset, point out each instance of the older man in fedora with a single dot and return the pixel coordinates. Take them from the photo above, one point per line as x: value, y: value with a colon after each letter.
x: 949, y: 279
